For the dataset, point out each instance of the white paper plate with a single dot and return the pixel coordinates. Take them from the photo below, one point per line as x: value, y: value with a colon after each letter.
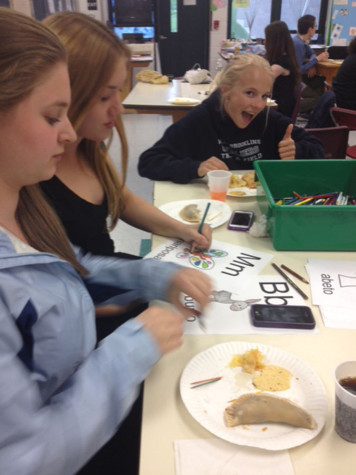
x: 271, y: 102
x: 183, y: 101
x: 248, y: 192
x: 218, y: 214
x: 207, y: 403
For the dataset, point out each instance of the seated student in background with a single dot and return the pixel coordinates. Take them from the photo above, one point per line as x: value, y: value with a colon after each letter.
x: 344, y: 83
x: 87, y: 190
x: 62, y: 397
x: 307, y: 60
x: 230, y: 130
x: 281, y: 55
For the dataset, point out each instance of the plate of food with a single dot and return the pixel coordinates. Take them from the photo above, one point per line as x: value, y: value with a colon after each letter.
x: 264, y: 397
x: 271, y: 102
x: 242, y: 186
x: 184, y: 101
x: 191, y: 211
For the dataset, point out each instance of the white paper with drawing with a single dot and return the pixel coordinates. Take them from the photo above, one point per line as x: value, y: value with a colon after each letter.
x: 229, y: 265
x: 332, y: 282
x: 234, y: 271
x: 229, y: 310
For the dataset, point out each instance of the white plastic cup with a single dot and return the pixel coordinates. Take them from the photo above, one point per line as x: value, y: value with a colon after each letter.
x: 345, y: 402
x: 218, y: 182
x: 177, y: 87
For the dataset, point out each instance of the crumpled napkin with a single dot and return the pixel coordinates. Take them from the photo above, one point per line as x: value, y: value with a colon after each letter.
x: 217, y: 457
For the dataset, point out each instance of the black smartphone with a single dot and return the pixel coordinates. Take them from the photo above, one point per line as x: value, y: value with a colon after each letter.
x: 240, y: 220
x: 282, y: 316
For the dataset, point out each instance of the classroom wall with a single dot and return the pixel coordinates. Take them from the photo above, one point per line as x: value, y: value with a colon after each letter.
x: 97, y: 9
x: 342, y: 22
x: 219, y: 13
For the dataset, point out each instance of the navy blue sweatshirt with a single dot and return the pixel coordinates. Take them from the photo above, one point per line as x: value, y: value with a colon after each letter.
x: 206, y: 131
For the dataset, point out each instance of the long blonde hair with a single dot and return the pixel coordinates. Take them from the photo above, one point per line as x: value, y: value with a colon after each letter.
x: 238, y: 67
x: 28, y: 51
x: 93, y: 54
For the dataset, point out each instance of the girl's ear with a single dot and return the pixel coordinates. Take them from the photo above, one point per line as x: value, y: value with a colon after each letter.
x: 225, y: 91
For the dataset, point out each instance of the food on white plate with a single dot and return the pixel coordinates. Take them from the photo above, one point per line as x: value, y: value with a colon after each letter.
x: 250, y: 361
x: 272, y: 378
x: 249, y: 178
x: 260, y: 408
x: 236, y: 182
x: 190, y: 213
x: 245, y: 181
x: 237, y: 193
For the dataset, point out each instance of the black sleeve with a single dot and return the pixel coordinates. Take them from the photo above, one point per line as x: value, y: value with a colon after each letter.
x: 176, y: 156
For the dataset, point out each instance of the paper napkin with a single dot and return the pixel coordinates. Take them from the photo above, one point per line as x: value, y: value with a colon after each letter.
x: 217, y: 457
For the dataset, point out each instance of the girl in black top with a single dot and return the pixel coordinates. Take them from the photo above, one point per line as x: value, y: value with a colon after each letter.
x: 88, y: 193
x: 90, y: 196
x: 280, y: 53
x: 229, y: 130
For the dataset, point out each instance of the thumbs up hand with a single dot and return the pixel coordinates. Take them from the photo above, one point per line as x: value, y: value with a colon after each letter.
x: 286, y: 147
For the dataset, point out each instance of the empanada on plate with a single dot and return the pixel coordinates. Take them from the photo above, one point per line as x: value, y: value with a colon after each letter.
x: 259, y: 408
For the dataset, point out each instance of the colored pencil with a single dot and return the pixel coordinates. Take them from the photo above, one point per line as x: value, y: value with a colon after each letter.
x: 203, y: 383
x: 203, y: 218
x: 294, y: 274
x: 216, y: 378
x: 290, y: 281
x: 202, y: 223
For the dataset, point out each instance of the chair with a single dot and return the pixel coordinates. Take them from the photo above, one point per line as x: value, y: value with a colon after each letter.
x: 345, y: 117
x: 298, y: 96
x: 338, y: 52
x: 334, y: 140
x: 320, y: 116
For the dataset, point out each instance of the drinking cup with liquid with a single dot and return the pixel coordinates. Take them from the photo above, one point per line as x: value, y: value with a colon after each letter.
x: 345, y: 400
x: 218, y: 182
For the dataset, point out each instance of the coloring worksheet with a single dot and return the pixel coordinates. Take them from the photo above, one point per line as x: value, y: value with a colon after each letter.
x: 229, y: 265
x: 237, y: 283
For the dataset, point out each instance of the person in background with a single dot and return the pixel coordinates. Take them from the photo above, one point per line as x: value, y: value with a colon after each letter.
x: 281, y: 55
x: 344, y: 83
x: 307, y: 60
x: 62, y: 396
x: 229, y: 130
x: 87, y: 190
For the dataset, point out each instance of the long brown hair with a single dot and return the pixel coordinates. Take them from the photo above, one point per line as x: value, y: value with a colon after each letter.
x: 93, y: 53
x: 28, y: 51
x: 278, y: 42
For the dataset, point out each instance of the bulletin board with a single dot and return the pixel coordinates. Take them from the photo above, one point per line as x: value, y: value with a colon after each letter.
x: 342, y: 22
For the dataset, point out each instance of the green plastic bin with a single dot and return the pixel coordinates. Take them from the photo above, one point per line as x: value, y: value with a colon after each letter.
x: 308, y: 228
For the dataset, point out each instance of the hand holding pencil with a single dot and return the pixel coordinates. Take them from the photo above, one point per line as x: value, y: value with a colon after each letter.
x: 201, y: 236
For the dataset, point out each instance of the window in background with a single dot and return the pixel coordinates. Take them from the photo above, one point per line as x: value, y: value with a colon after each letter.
x: 248, y: 18
x: 294, y: 9
x: 131, y: 12
x: 174, y: 16
x: 147, y: 32
x: 249, y: 22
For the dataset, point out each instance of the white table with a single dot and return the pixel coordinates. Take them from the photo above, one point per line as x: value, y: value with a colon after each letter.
x: 137, y: 61
x: 148, y: 98
x: 165, y: 418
